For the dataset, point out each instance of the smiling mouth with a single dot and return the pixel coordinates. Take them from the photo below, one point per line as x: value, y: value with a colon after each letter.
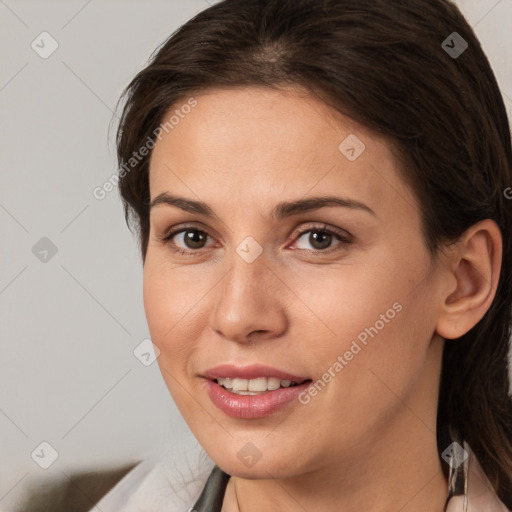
x: 255, y: 386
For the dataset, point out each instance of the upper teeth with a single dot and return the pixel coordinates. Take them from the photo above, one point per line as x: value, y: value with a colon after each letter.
x: 258, y: 384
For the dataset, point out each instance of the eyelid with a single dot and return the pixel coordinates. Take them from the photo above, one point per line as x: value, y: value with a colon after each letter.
x: 344, y: 235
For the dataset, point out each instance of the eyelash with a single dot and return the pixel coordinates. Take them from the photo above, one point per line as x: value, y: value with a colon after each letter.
x: 345, y: 239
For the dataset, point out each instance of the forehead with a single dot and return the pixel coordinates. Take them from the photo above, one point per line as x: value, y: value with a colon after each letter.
x: 266, y: 143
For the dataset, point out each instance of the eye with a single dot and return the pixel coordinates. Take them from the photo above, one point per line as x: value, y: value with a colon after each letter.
x: 190, y: 237
x: 322, y: 237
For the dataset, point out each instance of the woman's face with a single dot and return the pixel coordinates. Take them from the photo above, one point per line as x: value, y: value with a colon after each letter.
x: 343, y: 295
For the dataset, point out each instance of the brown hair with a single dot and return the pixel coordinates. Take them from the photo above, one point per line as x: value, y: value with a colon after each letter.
x: 384, y: 64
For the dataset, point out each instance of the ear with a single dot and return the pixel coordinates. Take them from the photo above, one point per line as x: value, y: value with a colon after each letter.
x: 474, y: 264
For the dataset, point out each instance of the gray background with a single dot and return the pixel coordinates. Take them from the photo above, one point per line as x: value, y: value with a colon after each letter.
x: 69, y: 325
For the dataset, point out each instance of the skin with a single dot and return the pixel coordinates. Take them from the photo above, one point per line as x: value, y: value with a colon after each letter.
x: 367, y: 441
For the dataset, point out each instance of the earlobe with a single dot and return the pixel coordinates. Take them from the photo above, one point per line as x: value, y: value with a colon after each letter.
x: 475, y: 265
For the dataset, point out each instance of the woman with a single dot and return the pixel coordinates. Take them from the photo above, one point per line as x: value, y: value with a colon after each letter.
x: 320, y: 192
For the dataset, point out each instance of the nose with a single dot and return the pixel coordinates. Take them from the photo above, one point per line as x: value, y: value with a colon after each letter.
x: 249, y: 302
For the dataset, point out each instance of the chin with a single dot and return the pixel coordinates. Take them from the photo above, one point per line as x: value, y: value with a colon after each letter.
x: 275, y: 466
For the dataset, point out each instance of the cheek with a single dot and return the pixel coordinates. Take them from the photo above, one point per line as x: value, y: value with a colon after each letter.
x: 169, y: 313
x: 342, y: 301
x: 172, y: 329
x: 172, y: 293
x: 376, y: 317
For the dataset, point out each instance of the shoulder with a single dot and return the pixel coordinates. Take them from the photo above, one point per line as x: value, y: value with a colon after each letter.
x: 156, y: 485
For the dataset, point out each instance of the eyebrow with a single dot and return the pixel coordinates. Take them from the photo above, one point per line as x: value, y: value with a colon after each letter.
x: 281, y: 210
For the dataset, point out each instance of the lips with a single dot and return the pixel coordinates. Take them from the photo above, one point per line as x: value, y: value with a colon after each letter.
x: 252, y: 404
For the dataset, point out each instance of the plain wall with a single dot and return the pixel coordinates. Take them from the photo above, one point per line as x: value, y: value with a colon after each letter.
x: 69, y: 325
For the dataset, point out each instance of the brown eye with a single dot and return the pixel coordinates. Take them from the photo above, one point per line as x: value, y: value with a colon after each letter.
x: 186, y: 240
x: 194, y: 239
x: 321, y: 239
